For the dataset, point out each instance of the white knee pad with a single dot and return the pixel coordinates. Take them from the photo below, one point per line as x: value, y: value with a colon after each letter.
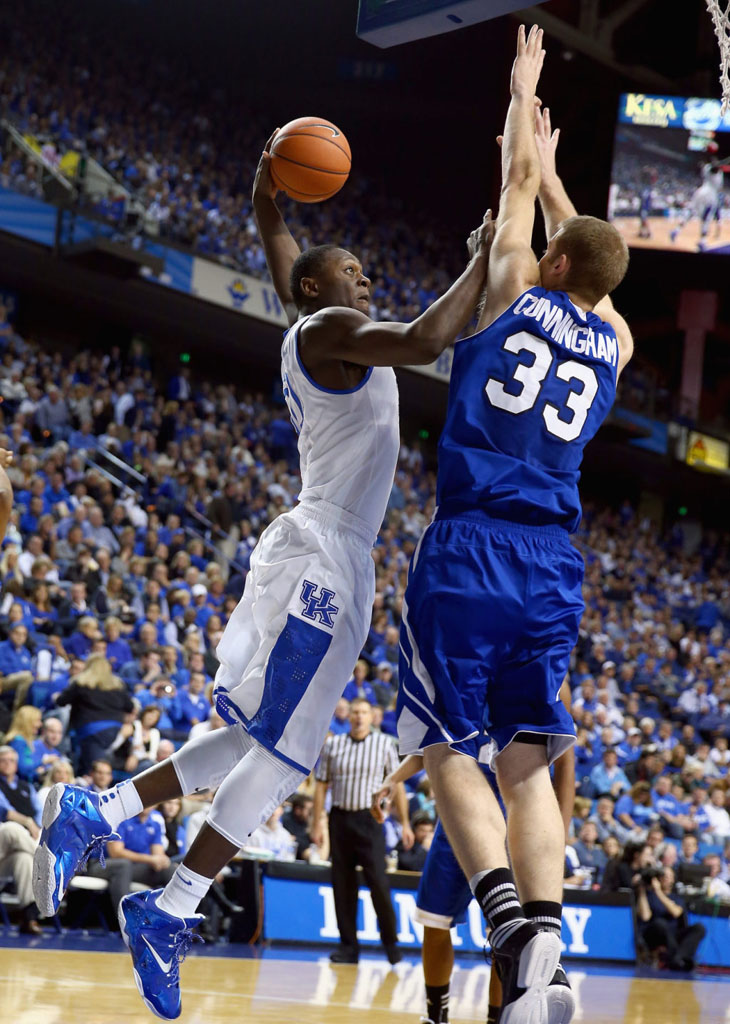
x: 203, y: 763
x: 251, y: 792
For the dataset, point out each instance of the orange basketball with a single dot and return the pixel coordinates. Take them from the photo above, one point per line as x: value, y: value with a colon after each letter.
x: 310, y: 159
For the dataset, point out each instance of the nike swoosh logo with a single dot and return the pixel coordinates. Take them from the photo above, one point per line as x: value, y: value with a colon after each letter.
x: 164, y: 967
x: 185, y: 881
x: 335, y: 132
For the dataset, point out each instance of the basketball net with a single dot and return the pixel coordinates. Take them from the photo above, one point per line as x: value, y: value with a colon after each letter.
x: 720, y: 11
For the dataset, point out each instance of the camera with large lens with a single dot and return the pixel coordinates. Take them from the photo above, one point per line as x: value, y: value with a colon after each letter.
x: 648, y: 874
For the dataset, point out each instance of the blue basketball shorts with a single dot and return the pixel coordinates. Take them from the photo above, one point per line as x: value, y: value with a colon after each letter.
x: 443, y: 892
x: 490, y: 617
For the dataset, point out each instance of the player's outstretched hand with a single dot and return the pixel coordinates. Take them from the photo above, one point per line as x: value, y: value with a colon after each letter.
x: 480, y: 240
x: 528, y: 62
x: 546, y: 141
x: 6, y: 458
x: 263, y: 183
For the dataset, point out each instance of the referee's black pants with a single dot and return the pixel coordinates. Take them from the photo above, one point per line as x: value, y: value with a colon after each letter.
x: 357, y: 838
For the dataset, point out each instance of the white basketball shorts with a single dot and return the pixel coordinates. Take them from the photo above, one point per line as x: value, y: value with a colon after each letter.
x: 292, y: 641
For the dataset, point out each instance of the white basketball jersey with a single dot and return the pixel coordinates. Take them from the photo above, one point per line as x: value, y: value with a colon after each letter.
x: 348, y: 440
x: 715, y: 179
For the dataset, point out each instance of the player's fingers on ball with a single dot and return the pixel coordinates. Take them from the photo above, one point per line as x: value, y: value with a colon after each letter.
x: 268, y: 145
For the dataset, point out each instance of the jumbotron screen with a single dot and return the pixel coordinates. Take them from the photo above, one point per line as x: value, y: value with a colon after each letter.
x: 670, y: 174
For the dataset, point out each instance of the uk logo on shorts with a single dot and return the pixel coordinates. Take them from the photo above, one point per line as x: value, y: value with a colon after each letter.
x: 318, y: 605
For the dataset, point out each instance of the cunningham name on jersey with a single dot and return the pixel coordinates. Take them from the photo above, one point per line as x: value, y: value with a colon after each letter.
x: 559, y: 323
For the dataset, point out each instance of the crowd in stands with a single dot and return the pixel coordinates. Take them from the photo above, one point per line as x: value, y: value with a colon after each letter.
x: 191, y: 176
x: 114, y: 596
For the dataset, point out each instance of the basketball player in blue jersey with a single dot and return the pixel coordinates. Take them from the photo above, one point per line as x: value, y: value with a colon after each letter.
x: 493, y: 603
x: 306, y: 608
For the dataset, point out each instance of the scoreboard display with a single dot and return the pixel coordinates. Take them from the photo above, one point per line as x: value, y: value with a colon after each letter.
x: 671, y: 173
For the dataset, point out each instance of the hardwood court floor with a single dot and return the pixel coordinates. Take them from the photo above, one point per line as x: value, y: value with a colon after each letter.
x: 49, y: 986
x: 661, y: 228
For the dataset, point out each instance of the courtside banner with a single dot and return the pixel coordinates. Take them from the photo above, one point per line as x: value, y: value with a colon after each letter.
x: 302, y: 909
x: 236, y: 291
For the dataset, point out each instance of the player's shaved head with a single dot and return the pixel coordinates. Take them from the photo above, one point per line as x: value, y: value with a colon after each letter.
x: 310, y: 263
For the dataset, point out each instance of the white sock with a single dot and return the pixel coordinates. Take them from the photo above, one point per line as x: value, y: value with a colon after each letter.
x: 120, y: 802
x: 183, y: 893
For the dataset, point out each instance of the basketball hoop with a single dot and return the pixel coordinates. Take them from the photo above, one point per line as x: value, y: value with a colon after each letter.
x: 720, y: 11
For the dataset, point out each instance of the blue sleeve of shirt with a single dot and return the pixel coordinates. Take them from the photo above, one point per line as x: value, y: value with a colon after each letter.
x: 26, y: 758
x: 624, y: 805
x: 157, y: 837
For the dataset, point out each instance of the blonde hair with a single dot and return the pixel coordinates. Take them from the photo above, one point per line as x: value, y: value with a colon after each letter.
x: 49, y: 779
x: 98, y: 674
x: 23, y: 723
x: 598, y: 254
x: 12, y: 549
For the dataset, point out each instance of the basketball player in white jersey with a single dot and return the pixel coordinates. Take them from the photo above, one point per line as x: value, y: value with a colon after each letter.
x: 705, y: 202
x: 305, y: 612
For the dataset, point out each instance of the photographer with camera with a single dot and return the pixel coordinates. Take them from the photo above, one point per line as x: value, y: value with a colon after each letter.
x: 663, y: 920
x: 625, y: 872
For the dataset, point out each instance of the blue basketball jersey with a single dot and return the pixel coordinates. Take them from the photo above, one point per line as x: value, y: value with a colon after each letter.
x: 526, y: 394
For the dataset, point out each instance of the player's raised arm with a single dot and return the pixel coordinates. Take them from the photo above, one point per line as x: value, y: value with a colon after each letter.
x: 554, y: 200
x: 512, y: 266
x: 345, y: 333
x: 279, y: 246
x: 557, y: 207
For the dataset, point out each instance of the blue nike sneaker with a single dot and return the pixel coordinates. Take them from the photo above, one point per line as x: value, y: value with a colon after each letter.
x: 73, y: 828
x: 158, y: 943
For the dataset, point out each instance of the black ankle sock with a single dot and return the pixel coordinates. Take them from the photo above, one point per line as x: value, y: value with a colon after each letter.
x: 437, y: 1003
x: 545, y: 914
x: 493, y: 1014
x: 497, y: 896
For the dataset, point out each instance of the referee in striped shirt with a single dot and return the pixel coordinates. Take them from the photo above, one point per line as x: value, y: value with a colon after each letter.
x: 355, y: 764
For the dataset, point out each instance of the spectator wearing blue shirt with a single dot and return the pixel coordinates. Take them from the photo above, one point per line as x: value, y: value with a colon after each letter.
x: 163, y: 693
x: 666, y: 805
x: 359, y: 687
x: 634, y: 809
x: 192, y: 704
x: 118, y: 650
x: 630, y: 749
x: 16, y: 664
x: 341, y: 718
x: 29, y: 519
x: 57, y: 493
x: 137, y: 856
x: 606, y: 824
x: 384, y: 685
x: 608, y: 777
x: 47, y: 748
x: 697, y: 810
x: 41, y: 612
x: 590, y: 854
x: 21, y: 736
x: 79, y: 644
x: 203, y: 610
